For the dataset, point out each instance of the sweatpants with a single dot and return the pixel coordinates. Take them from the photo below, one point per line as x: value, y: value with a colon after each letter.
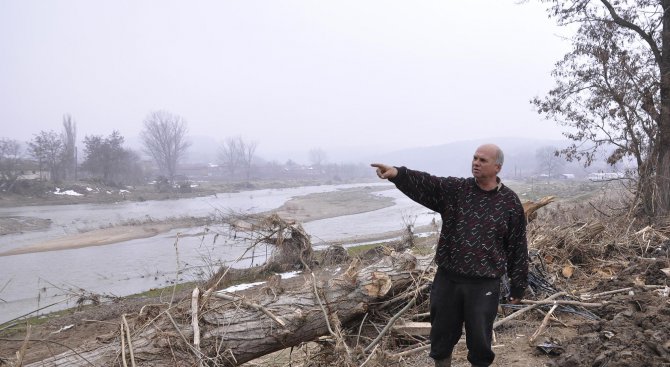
x: 456, y: 300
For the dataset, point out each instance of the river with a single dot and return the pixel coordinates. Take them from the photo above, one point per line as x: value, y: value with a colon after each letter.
x: 34, y: 280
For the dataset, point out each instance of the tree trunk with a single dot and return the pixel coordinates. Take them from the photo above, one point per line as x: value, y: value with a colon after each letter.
x: 662, y: 178
x: 235, y: 330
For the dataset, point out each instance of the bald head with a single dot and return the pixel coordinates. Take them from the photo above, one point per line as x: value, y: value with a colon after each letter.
x: 486, y: 164
x: 494, y: 151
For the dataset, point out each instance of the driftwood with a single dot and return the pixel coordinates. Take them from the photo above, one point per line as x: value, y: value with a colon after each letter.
x: 530, y: 207
x: 232, y: 332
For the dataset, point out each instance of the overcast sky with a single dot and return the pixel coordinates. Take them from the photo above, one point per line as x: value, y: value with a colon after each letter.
x: 290, y: 75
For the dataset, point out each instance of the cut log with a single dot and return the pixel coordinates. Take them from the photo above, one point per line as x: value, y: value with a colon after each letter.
x: 232, y: 333
x: 412, y: 328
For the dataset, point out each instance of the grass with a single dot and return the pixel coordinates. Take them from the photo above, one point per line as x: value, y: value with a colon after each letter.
x: 22, y: 325
x: 361, y: 249
x: 563, y: 189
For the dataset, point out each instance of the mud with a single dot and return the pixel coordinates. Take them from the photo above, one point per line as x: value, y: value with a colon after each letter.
x: 634, y: 329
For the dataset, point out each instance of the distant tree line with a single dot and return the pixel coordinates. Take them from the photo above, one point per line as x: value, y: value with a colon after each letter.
x: 105, y: 159
x: 55, y: 157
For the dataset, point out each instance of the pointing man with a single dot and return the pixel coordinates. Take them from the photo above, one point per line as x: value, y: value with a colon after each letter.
x: 483, y: 236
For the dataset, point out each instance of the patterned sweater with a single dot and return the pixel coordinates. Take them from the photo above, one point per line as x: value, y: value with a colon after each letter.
x: 483, y: 232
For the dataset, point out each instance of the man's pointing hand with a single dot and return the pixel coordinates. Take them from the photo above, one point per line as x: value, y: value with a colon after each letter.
x: 385, y: 172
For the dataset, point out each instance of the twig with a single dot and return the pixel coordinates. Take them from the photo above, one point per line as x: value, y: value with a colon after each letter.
x: 123, y: 347
x: 404, y: 296
x: 390, y: 324
x: 174, y: 323
x: 526, y: 309
x: 622, y: 290
x: 360, y: 328
x: 325, y: 313
x: 255, y: 306
x: 411, y: 351
x: 22, y: 351
x: 562, y: 302
x: 176, y: 276
x: 37, y: 310
x: 211, y: 289
x: 130, y: 342
x: 99, y: 321
x: 369, y: 357
x: 421, y: 315
x: 183, y: 337
x: 599, y: 211
x: 553, y: 317
x: 195, y: 323
x: 543, y: 325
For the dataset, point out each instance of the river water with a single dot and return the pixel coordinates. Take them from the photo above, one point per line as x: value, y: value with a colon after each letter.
x: 31, y: 281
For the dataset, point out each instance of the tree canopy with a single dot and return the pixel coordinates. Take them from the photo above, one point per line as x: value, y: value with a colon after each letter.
x: 107, y: 159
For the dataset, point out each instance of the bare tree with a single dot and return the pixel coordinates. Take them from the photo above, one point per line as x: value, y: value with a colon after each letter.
x: 10, y: 158
x: 229, y: 155
x: 69, y: 138
x: 48, y: 148
x: 549, y: 160
x: 248, y: 152
x: 317, y: 157
x: 164, y: 138
x: 235, y: 153
x: 613, y: 89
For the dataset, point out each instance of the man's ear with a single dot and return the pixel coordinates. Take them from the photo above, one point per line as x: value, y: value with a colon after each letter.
x: 498, y: 168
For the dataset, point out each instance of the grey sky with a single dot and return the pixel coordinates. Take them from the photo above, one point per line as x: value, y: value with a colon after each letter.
x: 292, y: 75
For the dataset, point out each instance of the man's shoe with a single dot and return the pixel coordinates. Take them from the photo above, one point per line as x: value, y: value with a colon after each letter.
x: 443, y: 362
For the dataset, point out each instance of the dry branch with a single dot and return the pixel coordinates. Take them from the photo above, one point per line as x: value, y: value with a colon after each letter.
x: 130, y: 343
x: 543, y: 325
x: 255, y: 306
x: 20, y: 354
x: 195, y: 322
x: 563, y: 302
x: 526, y: 309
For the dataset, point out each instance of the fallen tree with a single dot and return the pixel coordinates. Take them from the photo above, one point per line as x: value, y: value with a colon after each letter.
x: 225, y: 329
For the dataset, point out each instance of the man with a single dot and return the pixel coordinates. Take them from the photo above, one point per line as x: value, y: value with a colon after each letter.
x: 483, y: 236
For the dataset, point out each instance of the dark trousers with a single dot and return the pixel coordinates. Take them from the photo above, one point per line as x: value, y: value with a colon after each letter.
x: 456, y: 300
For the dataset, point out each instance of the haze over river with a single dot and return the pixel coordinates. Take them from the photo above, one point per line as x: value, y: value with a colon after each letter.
x: 33, y: 280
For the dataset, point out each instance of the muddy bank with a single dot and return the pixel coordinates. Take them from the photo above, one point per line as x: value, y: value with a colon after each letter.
x: 19, y: 224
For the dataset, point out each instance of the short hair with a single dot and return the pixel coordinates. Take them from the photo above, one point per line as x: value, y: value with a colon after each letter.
x: 500, y: 156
